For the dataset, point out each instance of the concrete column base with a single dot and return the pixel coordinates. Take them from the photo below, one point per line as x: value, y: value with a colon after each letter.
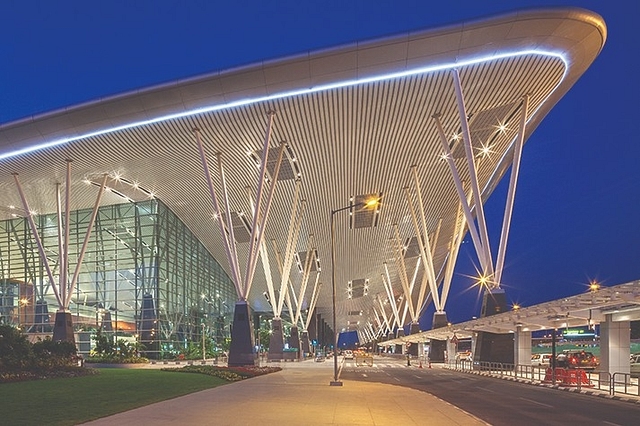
x: 438, y: 348
x: 294, y: 341
x: 413, y: 349
x: 304, y: 342
x: 276, y: 341
x: 493, y: 347
x: 63, y: 328
x: 241, y: 350
x: 399, y: 348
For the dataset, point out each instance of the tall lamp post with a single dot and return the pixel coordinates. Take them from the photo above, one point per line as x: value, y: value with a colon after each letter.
x: 335, y: 381
x: 204, y: 348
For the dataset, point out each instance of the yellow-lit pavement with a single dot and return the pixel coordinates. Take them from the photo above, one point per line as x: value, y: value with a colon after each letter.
x: 298, y: 395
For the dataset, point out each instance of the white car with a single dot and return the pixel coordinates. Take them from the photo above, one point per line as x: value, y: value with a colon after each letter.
x: 541, y: 360
x: 348, y: 354
x: 634, y: 365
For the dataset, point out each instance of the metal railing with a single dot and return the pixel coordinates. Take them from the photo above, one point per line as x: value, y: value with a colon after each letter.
x: 618, y: 383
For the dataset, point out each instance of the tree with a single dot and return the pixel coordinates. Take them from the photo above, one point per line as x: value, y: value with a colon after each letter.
x: 104, y: 345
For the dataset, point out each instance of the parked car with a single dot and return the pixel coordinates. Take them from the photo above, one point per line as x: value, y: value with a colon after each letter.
x: 541, y: 360
x: 577, y: 359
x: 634, y: 365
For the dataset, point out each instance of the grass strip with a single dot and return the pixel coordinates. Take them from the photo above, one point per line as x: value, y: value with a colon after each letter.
x: 75, y: 400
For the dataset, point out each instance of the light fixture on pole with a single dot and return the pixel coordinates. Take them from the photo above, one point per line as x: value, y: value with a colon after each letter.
x: 370, y: 203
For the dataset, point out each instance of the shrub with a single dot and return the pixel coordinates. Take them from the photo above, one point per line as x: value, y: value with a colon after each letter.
x: 15, y: 350
x: 122, y: 352
x: 50, y: 354
x: 230, y: 374
x: 20, y: 360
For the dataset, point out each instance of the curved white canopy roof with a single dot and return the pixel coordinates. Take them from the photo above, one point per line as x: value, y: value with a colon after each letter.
x: 355, y: 117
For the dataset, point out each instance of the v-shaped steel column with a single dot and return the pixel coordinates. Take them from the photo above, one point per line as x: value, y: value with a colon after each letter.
x: 63, y: 290
x: 491, y: 274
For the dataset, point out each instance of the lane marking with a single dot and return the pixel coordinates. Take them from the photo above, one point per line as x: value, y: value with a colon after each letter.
x: 417, y: 377
x: 395, y: 378
x: 485, y: 389
x: 364, y: 375
x: 610, y: 423
x: 536, y: 402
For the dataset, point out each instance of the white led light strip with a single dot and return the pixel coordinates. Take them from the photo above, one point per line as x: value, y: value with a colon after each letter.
x: 298, y: 92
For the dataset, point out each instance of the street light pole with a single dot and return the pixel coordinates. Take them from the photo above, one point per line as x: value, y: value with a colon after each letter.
x: 204, y: 352
x: 335, y: 381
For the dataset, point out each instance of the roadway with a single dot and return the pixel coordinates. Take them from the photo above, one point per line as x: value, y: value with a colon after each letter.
x: 495, y: 401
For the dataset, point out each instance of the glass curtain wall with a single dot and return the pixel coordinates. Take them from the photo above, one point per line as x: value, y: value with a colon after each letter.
x: 144, y: 276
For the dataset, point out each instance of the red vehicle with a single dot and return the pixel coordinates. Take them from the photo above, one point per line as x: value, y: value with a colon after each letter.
x: 577, y: 359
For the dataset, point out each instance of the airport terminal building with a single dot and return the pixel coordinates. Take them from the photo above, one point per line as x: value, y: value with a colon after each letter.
x: 144, y: 275
x: 339, y: 182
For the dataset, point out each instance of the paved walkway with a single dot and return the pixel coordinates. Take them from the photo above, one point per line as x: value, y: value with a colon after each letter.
x: 298, y: 395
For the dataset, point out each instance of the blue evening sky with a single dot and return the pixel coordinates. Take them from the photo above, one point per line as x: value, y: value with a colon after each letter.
x: 577, y: 211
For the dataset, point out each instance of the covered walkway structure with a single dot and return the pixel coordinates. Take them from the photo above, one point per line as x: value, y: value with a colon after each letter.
x: 612, y: 308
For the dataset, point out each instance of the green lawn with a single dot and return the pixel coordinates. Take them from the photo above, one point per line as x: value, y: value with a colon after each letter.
x: 80, y: 399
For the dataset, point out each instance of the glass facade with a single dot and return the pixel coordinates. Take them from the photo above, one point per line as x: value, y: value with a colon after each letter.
x: 144, y: 275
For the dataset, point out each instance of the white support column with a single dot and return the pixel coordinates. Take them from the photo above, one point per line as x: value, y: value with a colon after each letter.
x: 404, y: 280
x: 473, y: 174
x: 416, y: 312
x: 513, y: 182
x: 522, y: 346
x: 466, y: 209
x: 390, y: 295
x: 261, y: 179
x: 452, y: 256
x: 372, y: 332
x: 615, y: 346
x: 312, y: 306
x: 425, y: 246
x: 384, y: 315
x: 435, y: 238
x: 406, y: 308
x: 305, y: 278
x: 64, y: 281
x: 266, y: 266
x: 36, y: 237
x: 85, y: 243
x: 233, y: 263
x: 290, y: 306
x: 231, y: 238
x: 275, y: 304
x: 378, y: 320
x: 61, y: 248
x: 422, y: 236
x: 292, y: 240
x: 264, y: 216
x: 451, y: 350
